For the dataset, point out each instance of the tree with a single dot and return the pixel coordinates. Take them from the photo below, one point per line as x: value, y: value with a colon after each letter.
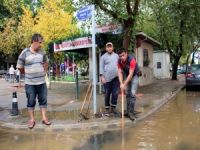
x: 4, y: 14
x: 124, y: 12
x: 53, y: 19
x: 53, y: 22
x: 10, y: 23
x: 25, y: 29
x: 178, y: 28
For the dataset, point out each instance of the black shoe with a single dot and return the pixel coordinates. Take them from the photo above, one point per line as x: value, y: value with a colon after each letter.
x: 125, y: 113
x: 115, y: 113
x: 107, y: 113
x: 113, y: 110
x: 132, y: 116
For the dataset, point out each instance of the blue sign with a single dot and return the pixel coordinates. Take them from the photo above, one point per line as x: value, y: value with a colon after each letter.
x: 84, y: 13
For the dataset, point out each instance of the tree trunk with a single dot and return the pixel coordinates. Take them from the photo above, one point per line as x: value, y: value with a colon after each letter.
x: 175, y: 67
x: 127, y: 37
x: 193, y: 57
x: 127, y: 25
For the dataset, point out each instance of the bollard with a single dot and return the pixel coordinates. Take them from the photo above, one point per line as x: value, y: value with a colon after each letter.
x: 14, y: 111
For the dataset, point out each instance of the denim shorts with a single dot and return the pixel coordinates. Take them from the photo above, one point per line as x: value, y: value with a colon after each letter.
x: 36, y: 91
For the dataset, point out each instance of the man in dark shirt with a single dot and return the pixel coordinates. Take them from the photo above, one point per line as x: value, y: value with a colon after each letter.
x: 128, y: 70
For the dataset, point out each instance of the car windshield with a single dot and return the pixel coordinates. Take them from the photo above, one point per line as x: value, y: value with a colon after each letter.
x: 195, y: 68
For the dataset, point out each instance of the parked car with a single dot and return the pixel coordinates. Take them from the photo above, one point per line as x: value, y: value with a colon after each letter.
x: 2, y: 73
x: 193, y: 76
x: 181, y: 71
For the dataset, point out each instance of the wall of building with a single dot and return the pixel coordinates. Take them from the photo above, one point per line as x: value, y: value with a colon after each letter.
x: 147, y: 71
x: 161, y: 63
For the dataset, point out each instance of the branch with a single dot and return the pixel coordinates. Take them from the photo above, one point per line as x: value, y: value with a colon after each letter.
x: 180, y: 49
x: 169, y: 49
x: 195, y: 48
x: 105, y: 9
x: 128, y: 7
x: 136, y: 7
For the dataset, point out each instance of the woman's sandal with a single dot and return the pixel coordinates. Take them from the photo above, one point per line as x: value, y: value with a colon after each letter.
x: 31, y: 124
x: 46, y: 122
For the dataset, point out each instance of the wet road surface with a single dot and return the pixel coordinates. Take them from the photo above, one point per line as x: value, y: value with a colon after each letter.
x: 176, y: 126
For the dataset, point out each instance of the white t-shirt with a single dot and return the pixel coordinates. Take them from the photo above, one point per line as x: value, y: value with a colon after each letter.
x: 11, y: 70
x: 17, y: 72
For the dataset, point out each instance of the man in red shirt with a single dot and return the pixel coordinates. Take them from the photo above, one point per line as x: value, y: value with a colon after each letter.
x: 128, y: 70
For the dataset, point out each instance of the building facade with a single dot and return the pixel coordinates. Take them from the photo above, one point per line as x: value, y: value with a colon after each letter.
x: 144, y: 56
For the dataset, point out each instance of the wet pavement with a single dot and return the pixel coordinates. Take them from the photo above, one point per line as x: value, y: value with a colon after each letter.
x: 175, y: 126
x: 63, y: 108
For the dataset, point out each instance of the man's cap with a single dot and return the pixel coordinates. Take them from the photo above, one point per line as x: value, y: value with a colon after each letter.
x: 109, y: 44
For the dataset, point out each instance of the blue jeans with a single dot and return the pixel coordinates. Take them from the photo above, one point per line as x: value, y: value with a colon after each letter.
x: 111, y: 89
x: 12, y: 77
x: 17, y: 78
x: 39, y: 91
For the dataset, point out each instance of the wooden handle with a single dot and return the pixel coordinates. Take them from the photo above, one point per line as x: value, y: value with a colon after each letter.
x: 90, y: 84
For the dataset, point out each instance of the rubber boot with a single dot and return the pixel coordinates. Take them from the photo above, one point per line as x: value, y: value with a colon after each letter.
x: 114, y: 112
x: 131, y: 111
x: 127, y: 108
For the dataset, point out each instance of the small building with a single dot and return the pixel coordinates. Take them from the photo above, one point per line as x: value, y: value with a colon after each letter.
x: 144, y: 56
x: 161, y: 64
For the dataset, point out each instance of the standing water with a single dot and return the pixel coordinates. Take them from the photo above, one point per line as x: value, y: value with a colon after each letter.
x: 176, y: 126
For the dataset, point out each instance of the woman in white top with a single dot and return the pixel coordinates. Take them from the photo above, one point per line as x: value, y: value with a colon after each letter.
x: 12, y: 73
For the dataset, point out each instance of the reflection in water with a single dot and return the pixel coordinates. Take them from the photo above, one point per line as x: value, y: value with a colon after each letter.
x: 41, y: 141
x: 175, y: 127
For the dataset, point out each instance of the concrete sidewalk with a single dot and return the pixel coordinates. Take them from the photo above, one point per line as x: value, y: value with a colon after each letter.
x: 63, y: 108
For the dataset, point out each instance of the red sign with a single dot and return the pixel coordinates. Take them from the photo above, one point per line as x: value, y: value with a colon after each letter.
x: 78, y: 43
x: 109, y: 28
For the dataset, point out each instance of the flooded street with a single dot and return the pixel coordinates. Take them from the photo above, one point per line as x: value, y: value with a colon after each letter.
x: 176, y: 126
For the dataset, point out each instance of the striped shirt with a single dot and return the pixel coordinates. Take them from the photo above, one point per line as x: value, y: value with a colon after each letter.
x: 33, y: 66
x: 108, y: 66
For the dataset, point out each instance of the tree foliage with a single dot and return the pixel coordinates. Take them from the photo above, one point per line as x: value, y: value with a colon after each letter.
x: 53, y: 19
x: 9, y: 26
x: 178, y: 29
x: 4, y: 14
x: 53, y: 22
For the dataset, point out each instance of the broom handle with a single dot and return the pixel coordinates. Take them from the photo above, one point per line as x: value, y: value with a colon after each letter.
x: 123, y: 141
x: 86, y: 97
x: 90, y: 96
x: 122, y: 95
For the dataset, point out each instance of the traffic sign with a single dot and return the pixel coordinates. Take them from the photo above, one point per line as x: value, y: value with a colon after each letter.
x: 84, y: 13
